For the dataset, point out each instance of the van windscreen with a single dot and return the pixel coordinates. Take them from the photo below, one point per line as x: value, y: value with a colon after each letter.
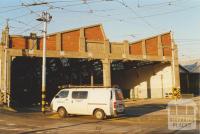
x: 119, y: 95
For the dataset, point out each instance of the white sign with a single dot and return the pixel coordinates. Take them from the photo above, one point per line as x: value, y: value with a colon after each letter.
x: 182, y: 114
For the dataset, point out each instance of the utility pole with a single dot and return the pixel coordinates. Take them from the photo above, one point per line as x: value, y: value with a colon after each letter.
x: 46, y: 17
x: 7, y: 100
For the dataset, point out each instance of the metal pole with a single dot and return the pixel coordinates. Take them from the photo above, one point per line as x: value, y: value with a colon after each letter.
x: 44, y: 65
x: 5, y: 68
x: 173, y: 63
x: 45, y: 18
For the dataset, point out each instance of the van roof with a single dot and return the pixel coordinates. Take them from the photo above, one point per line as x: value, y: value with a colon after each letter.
x: 85, y: 86
x: 88, y: 88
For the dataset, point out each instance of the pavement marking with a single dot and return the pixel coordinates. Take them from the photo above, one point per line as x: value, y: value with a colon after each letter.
x: 17, y: 129
x: 11, y: 124
x: 92, y: 130
x: 4, y: 128
x: 14, y: 129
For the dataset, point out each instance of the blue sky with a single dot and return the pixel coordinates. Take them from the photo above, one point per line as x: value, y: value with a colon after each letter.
x: 122, y: 19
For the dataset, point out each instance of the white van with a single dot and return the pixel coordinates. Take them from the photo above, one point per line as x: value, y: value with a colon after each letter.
x: 100, y: 102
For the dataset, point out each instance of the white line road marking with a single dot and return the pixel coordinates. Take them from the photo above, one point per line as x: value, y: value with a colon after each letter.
x: 11, y: 124
x: 14, y: 129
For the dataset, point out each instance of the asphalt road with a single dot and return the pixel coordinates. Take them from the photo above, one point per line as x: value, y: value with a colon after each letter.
x: 143, y: 116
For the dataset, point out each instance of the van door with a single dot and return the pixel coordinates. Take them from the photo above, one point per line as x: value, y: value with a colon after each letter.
x: 119, y: 104
x: 61, y: 99
x: 79, y: 102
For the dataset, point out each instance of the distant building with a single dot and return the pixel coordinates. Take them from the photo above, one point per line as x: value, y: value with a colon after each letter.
x: 190, y: 78
x: 193, y: 68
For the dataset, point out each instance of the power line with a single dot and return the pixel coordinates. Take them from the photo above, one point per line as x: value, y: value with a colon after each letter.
x: 168, y: 3
x: 136, y: 14
x: 78, y: 4
x: 62, y: 1
x: 34, y: 4
x: 31, y: 12
x: 10, y: 6
x: 169, y: 12
x: 18, y: 21
x: 30, y: 28
x: 109, y: 16
x: 191, y: 39
x: 9, y: 10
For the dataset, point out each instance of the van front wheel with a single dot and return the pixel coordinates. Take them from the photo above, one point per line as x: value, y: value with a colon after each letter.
x: 99, y: 114
x: 62, y: 112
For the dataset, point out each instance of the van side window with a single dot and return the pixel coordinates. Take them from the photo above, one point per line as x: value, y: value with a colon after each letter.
x: 63, y: 94
x: 79, y: 94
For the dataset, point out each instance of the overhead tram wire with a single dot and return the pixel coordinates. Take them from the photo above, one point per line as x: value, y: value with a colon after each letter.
x: 9, y: 10
x: 169, y: 12
x: 62, y: 1
x: 92, y: 11
x: 78, y: 4
x: 168, y: 3
x: 188, y: 39
x: 15, y: 18
x: 31, y: 11
x: 152, y: 15
x: 74, y: 4
x: 30, y: 28
x: 137, y: 15
x: 28, y: 7
x: 35, y: 12
x: 51, y: 7
x: 20, y: 22
x: 10, y: 6
x: 45, y: 3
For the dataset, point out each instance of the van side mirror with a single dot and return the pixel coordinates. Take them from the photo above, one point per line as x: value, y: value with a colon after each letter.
x: 57, y: 96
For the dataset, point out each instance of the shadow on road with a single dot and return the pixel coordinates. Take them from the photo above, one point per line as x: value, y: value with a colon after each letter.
x: 135, y: 111
x: 60, y: 127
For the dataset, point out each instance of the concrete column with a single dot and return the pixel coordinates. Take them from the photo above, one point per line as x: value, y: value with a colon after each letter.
x: 6, y: 61
x: 8, y: 80
x: 1, y: 84
x: 106, y: 46
x: 175, y: 67
x: 106, y: 72
x: 160, y: 47
x: 144, y: 53
x: 92, y: 78
x: 2, y: 43
x: 58, y: 42
x: 32, y: 41
x: 7, y: 37
x: 82, y: 42
x: 0, y: 73
x: 177, y: 74
x: 126, y: 49
x: 5, y: 70
x: 2, y: 77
